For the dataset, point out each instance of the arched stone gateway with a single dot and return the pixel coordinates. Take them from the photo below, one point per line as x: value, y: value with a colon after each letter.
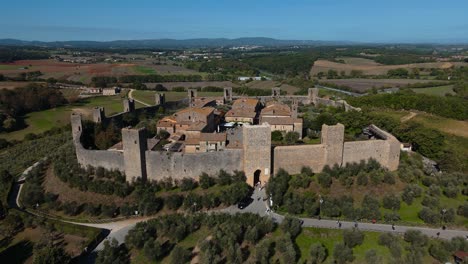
x: 257, y: 152
x: 256, y: 177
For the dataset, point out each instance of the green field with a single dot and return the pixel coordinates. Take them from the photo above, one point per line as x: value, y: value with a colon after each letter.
x: 148, y: 96
x: 38, y: 122
x: 10, y: 67
x: 143, y: 69
x: 438, y: 90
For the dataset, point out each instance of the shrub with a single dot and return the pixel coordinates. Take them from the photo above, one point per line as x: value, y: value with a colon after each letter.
x: 429, y: 216
x: 372, y: 257
x: 173, y: 202
x: 362, y: 179
x: 278, y: 186
x: 353, y: 237
x: 391, y: 202
x: 392, y: 217
x: 291, y: 137
x: 276, y: 136
x: 307, y: 171
x: 187, y: 184
x: 300, y: 181
x: 451, y: 191
x: 206, y: 181
x: 416, y: 238
x: 318, y: 253
x: 389, y: 178
x: 180, y: 255
x: 439, y: 251
x: 410, y: 192
x: 292, y: 226
x: 431, y: 202
x: 463, y: 210
x: 285, y: 246
x: 342, y: 254
x: 324, y: 179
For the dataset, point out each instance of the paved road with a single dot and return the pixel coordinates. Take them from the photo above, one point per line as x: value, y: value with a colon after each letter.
x: 130, y: 95
x: 259, y: 205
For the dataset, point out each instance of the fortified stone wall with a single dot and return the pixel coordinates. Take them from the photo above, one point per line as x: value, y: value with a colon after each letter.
x: 160, y: 165
x: 293, y: 158
x: 110, y: 160
x: 363, y: 150
x: 333, y: 151
x: 252, y: 151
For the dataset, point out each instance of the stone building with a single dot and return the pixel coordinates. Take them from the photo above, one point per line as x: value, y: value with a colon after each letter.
x: 244, y: 148
x: 244, y: 110
x: 190, y: 121
x: 281, y: 117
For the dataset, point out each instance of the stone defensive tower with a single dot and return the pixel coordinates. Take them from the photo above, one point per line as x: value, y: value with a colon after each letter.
x: 98, y: 115
x: 275, y: 91
x: 256, y: 141
x: 227, y: 94
x: 313, y: 95
x: 333, y: 139
x: 129, y: 105
x: 192, y: 94
x: 159, y: 99
x: 134, y: 147
x: 76, y: 126
x: 294, y: 106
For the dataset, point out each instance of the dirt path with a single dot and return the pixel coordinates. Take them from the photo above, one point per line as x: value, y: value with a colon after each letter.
x: 130, y: 95
x: 408, y: 116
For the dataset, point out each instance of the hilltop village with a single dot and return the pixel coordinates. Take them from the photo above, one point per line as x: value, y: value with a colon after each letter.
x: 232, y: 133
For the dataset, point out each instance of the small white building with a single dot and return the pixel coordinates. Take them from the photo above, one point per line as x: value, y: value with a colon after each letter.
x: 406, y: 147
x: 111, y: 91
x: 247, y: 78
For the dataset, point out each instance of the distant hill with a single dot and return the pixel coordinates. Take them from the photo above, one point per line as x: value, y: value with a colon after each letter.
x: 174, y: 43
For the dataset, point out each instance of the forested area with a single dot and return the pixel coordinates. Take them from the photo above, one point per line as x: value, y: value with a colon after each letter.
x: 287, y: 64
x: 17, y: 102
x: 228, y: 66
x: 451, y: 107
x: 11, y: 54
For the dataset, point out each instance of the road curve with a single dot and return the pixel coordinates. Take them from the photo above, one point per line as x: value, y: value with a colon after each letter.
x: 130, y: 95
x: 119, y: 229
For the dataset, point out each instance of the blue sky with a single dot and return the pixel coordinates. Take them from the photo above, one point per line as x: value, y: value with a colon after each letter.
x: 355, y: 20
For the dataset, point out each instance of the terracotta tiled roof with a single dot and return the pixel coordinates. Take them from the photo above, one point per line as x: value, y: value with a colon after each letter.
x: 197, y: 126
x: 248, y: 103
x: 203, y: 110
x: 276, y: 109
x: 166, y: 122
x: 241, y: 113
x: 213, y: 137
